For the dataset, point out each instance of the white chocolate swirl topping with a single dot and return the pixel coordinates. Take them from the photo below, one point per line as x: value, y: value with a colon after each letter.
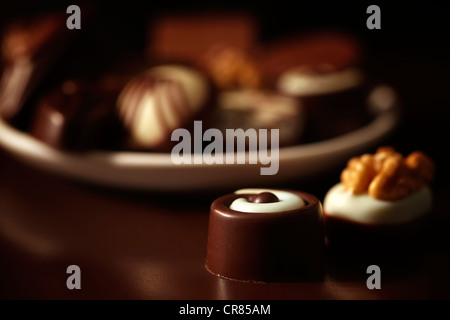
x: 287, y: 201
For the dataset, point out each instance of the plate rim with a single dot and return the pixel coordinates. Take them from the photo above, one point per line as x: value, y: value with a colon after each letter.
x: 37, y: 153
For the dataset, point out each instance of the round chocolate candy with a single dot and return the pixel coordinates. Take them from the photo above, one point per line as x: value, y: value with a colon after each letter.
x: 162, y: 99
x: 79, y: 115
x: 323, y: 70
x: 358, y: 222
x: 266, y: 235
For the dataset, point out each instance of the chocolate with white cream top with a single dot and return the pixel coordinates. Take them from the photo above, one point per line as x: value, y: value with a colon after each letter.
x: 263, y: 201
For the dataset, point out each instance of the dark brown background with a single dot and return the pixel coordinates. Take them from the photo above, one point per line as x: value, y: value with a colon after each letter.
x: 151, y: 246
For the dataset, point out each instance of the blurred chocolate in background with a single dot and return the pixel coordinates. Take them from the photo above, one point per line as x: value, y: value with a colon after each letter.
x: 410, y: 52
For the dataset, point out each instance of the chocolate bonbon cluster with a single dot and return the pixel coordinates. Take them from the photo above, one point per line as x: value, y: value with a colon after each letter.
x: 207, y: 67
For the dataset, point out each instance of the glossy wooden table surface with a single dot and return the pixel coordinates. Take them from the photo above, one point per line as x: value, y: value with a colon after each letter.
x: 132, y: 245
x: 138, y: 246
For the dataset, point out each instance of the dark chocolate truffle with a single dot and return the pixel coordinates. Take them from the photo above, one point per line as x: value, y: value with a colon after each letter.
x: 324, y: 71
x: 266, y: 241
x: 80, y: 115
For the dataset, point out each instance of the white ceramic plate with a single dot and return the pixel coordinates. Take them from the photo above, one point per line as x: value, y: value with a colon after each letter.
x: 156, y: 171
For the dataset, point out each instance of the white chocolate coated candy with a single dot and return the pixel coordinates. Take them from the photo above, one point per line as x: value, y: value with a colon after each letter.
x: 288, y: 201
x: 154, y: 104
x: 342, y: 203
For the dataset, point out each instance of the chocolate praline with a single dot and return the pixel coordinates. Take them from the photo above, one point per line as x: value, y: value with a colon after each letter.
x: 80, y: 115
x: 324, y: 71
x: 160, y: 100
x: 352, y: 236
x: 266, y: 246
x: 352, y: 246
x: 380, y: 226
